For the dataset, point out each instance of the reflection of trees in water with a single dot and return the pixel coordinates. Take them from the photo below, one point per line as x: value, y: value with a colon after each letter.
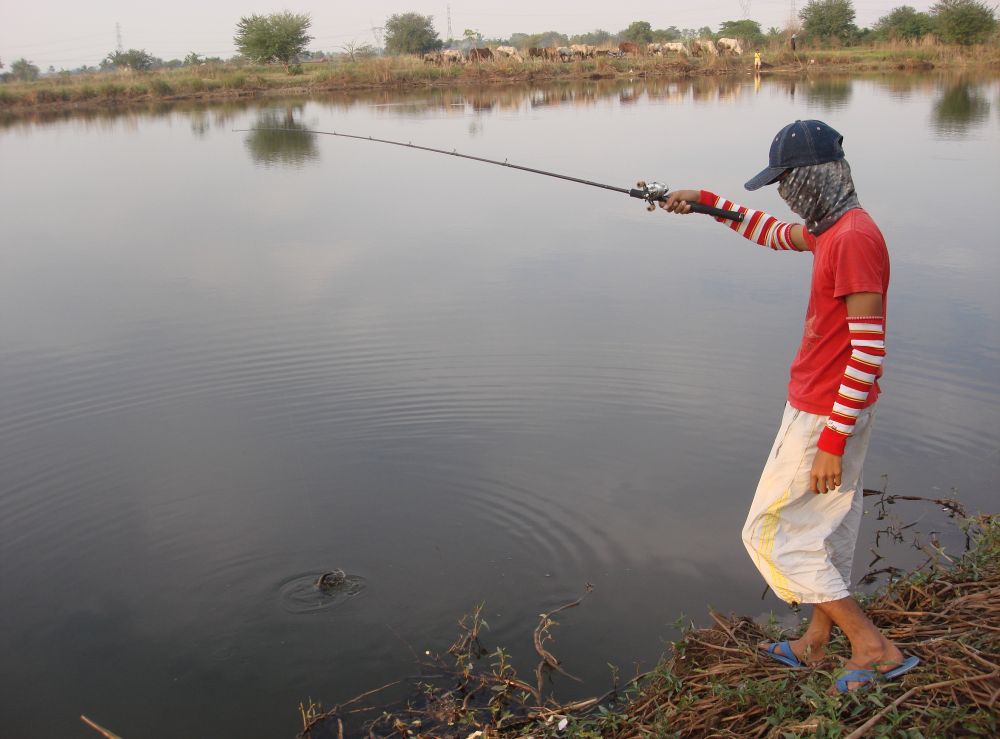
x: 291, y: 147
x: 111, y: 118
x: 962, y: 105
x: 831, y: 93
x: 571, y: 93
x: 902, y: 86
x: 200, y: 124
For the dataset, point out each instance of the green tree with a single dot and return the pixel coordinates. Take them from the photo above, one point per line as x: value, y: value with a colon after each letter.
x: 666, y: 34
x: 903, y: 22
x: 963, y: 21
x: 594, y: 38
x: 540, y: 40
x: 411, y: 33
x: 827, y: 20
x: 278, y: 37
x: 136, y: 60
x: 745, y: 29
x: 639, y: 32
x: 23, y: 70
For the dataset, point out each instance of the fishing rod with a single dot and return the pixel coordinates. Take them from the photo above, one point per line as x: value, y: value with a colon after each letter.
x: 651, y: 192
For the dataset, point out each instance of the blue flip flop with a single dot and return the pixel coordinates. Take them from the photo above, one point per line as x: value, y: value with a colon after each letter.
x: 782, y: 652
x: 869, y: 677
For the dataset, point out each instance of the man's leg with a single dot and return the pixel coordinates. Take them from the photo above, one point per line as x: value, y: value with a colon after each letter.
x: 811, y: 646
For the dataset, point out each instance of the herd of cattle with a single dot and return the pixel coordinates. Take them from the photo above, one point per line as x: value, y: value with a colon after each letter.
x: 694, y: 47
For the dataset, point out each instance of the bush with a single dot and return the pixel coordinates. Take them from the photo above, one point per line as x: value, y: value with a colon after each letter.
x: 161, y: 87
x: 963, y: 22
x: 234, y: 81
x: 111, y: 90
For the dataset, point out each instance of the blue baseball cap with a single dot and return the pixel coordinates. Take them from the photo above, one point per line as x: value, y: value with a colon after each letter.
x: 799, y: 144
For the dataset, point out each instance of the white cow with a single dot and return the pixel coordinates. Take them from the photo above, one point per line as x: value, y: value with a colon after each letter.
x: 677, y: 47
x: 565, y: 53
x: 730, y: 44
x: 704, y: 45
x: 508, y: 52
x: 451, y: 56
x: 584, y: 51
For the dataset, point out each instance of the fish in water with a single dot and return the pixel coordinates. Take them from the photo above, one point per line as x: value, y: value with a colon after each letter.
x: 331, y: 580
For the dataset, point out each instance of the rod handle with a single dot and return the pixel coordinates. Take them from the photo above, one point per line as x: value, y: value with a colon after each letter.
x: 708, y: 210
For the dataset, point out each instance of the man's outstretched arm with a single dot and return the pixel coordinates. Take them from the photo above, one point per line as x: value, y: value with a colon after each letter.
x: 757, y: 226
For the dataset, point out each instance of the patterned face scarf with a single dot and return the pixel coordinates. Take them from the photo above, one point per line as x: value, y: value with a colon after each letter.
x: 820, y: 194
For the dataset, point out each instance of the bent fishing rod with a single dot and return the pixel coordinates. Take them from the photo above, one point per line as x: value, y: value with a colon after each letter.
x: 651, y: 192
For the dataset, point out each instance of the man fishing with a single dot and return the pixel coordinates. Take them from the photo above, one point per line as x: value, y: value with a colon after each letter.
x: 803, y: 523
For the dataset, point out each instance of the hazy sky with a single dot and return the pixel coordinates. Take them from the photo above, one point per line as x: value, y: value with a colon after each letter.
x: 67, y: 34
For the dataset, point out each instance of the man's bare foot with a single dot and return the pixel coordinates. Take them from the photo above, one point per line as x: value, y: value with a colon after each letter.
x: 882, y: 658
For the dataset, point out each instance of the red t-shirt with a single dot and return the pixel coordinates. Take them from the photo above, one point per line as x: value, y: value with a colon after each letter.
x: 849, y: 257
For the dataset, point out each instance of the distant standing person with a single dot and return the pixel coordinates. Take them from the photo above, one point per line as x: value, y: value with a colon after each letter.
x: 793, y: 42
x: 756, y: 61
x: 803, y: 523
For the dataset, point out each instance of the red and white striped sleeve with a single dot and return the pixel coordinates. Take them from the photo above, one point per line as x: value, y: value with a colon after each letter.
x: 757, y: 226
x: 863, y: 368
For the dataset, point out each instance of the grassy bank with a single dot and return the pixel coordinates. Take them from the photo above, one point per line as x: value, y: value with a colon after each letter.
x: 220, y: 81
x: 714, y: 681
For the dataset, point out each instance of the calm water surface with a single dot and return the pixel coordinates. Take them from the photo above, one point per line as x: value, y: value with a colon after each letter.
x: 232, y: 361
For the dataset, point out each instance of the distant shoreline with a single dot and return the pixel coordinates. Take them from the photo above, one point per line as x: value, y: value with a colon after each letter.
x: 222, y: 82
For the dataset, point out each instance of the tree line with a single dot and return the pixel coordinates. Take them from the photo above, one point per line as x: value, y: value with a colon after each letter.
x: 282, y: 38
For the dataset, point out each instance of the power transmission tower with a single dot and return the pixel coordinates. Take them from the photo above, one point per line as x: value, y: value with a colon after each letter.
x: 745, y: 7
x: 118, y: 37
x: 450, y: 36
x: 377, y: 35
x: 793, y: 17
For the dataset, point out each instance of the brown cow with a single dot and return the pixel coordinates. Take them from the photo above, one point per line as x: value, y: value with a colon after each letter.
x: 536, y: 53
x: 551, y: 53
x: 628, y: 48
x: 484, y: 54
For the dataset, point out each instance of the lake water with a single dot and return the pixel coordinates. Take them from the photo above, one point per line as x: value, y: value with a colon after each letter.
x: 232, y: 361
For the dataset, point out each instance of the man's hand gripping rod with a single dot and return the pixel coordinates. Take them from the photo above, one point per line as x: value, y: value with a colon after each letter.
x: 657, y: 191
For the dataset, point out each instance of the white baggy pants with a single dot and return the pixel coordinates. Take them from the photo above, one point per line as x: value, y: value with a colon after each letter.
x: 803, y: 542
